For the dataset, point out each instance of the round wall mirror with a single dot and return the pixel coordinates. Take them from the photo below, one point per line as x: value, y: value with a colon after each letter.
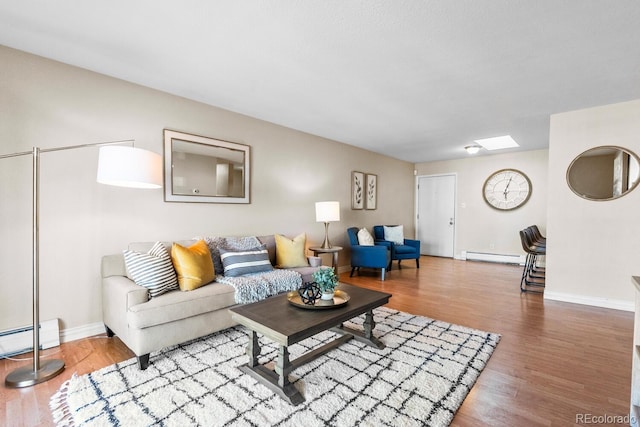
x: 604, y: 173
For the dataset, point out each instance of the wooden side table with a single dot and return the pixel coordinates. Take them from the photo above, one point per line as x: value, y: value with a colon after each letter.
x: 332, y: 250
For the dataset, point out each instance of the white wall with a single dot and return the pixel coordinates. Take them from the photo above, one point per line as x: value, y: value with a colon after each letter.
x: 480, y: 228
x: 49, y: 104
x: 594, y: 245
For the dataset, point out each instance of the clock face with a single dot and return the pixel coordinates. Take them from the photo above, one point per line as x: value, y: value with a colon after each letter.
x: 506, y: 189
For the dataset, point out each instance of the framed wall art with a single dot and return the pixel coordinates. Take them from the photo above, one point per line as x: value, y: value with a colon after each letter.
x: 357, y: 190
x: 205, y: 170
x: 371, y: 191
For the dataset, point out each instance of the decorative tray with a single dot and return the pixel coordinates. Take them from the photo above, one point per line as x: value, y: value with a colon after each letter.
x: 340, y: 298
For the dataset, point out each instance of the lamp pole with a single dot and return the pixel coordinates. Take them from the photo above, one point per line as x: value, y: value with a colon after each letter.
x: 41, y: 371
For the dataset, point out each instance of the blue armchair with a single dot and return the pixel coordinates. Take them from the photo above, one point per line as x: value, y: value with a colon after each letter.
x: 376, y: 256
x: 410, y: 249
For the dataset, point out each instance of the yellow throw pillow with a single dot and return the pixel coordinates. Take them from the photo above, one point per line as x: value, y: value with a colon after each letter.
x: 193, y: 265
x: 290, y: 253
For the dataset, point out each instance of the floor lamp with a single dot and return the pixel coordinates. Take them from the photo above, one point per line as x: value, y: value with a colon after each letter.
x: 117, y: 165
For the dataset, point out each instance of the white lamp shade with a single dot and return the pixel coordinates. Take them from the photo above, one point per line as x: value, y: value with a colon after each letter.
x: 327, y: 211
x: 129, y: 167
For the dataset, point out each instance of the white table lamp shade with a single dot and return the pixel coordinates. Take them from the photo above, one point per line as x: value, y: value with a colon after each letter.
x: 129, y: 167
x: 327, y: 211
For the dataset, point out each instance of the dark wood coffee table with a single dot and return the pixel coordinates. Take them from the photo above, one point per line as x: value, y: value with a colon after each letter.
x: 280, y: 321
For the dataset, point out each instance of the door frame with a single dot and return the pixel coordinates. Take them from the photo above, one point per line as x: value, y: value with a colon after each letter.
x: 416, y: 203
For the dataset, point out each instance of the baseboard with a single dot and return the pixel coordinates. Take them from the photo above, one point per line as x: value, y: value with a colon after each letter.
x: 84, y: 331
x: 344, y: 269
x: 593, y: 301
x: 20, y: 340
x: 487, y: 257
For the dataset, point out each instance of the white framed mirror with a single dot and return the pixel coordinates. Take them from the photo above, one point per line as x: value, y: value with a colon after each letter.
x: 604, y: 173
x: 199, y: 169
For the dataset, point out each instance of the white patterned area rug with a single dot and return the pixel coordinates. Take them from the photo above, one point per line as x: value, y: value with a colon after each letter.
x: 420, y: 378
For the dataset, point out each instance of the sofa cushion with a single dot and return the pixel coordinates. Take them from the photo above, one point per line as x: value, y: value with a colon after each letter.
x: 238, y: 263
x: 290, y: 252
x: 175, y: 305
x: 394, y: 234
x: 153, y: 270
x: 193, y: 265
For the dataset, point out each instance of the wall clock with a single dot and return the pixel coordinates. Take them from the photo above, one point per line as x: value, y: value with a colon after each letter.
x: 506, y: 189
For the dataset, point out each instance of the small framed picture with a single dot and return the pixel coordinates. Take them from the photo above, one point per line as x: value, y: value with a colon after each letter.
x: 371, y: 191
x: 357, y: 190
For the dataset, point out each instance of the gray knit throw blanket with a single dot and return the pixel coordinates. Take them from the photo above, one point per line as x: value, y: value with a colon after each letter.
x: 256, y: 287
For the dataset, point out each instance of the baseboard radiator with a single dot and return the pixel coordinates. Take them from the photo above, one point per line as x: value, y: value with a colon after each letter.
x: 501, y: 258
x: 20, y: 340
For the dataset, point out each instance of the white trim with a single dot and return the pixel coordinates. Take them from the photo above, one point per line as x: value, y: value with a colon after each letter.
x: 84, y: 331
x: 593, y: 301
x: 487, y: 257
x: 343, y: 269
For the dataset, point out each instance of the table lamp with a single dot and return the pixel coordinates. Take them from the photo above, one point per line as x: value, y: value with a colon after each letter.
x: 327, y: 212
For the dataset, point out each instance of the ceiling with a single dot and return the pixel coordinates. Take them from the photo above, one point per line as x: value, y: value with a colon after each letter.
x: 412, y: 79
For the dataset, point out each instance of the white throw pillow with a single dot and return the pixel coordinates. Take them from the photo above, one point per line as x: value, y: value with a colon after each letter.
x: 394, y: 234
x: 365, y: 238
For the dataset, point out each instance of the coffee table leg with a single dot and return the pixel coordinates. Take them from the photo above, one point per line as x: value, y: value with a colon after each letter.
x: 369, y: 325
x: 253, y: 349
x: 277, y: 381
x: 366, y: 335
x: 283, y: 367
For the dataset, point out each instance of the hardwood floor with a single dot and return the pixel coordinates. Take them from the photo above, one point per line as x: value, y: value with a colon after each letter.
x: 554, y: 361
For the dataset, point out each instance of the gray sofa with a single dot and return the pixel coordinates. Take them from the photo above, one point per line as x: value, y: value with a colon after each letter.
x: 146, y: 325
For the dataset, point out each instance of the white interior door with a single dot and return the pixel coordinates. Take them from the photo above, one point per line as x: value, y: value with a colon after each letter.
x: 436, y: 214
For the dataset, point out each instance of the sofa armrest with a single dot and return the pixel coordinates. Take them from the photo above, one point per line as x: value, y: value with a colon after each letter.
x: 122, y: 292
x: 119, y: 294
x: 113, y: 265
x: 117, y: 287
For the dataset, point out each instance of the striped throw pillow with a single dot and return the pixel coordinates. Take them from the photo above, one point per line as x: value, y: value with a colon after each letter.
x: 238, y: 263
x: 153, y: 270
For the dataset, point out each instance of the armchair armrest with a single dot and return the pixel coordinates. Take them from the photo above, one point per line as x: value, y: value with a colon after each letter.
x: 370, y: 256
x: 414, y: 243
x: 386, y: 243
x: 369, y: 250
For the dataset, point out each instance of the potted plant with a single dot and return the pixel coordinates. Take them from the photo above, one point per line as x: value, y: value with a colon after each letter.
x: 327, y: 281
